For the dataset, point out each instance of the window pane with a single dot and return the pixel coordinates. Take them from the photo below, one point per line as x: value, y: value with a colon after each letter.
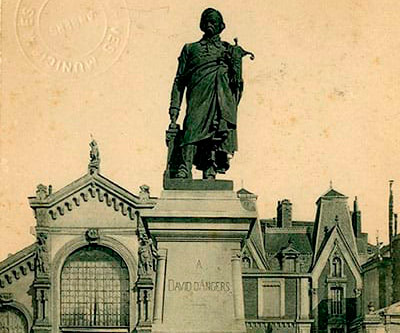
x: 94, y: 289
x: 337, y: 301
x: 336, y: 267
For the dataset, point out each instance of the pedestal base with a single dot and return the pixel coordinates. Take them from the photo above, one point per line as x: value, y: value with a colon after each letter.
x: 199, y: 281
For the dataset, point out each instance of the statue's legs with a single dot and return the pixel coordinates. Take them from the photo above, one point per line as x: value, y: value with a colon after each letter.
x: 209, y: 173
x: 185, y: 169
x: 207, y: 157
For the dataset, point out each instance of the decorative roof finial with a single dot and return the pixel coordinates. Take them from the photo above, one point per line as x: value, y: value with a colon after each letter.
x: 41, y: 192
x: 144, y: 194
x: 94, y: 157
x: 331, y: 184
x: 336, y: 219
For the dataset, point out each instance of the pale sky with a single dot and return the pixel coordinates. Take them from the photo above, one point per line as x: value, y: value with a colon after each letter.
x: 321, y: 100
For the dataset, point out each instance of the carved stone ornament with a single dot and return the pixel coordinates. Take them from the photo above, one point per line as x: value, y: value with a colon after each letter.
x: 144, y: 194
x: 92, y: 235
x: 248, y: 205
x: 147, y: 256
x: 41, y: 192
x: 6, y: 298
x: 42, y: 254
x: 371, y: 307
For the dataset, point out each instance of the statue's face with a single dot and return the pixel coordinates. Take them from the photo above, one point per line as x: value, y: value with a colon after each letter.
x: 212, y: 24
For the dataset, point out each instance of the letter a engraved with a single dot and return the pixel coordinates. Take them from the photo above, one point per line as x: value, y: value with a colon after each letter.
x: 198, y: 265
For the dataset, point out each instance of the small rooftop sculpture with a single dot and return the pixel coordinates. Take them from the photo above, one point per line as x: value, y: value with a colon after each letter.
x: 94, y: 157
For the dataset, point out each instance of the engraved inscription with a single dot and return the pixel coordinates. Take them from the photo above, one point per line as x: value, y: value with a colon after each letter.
x: 201, y: 285
x: 72, y: 38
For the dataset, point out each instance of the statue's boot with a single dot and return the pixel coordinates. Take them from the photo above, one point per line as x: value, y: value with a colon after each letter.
x: 210, y: 173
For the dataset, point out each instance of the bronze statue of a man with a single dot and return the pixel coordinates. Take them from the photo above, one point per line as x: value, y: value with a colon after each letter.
x: 210, y: 71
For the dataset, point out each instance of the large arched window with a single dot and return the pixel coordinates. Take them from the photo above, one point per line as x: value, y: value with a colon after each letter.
x: 94, y: 289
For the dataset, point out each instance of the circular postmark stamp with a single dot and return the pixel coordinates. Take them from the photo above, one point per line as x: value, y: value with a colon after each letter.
x: 72, y: 38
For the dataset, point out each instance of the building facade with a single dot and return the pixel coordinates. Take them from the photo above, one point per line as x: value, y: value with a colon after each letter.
x: 92, y: 268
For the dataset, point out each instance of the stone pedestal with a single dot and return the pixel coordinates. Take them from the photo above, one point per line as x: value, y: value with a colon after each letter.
x: 304, y: 326
x: 373, y: 324
x: 144, y: 288
x: 199, y: 234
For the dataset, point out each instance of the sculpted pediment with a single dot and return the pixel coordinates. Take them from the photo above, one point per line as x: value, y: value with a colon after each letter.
x: 90, y: 196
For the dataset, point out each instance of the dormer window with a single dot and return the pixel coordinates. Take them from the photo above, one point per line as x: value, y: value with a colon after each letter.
x: 288, y: 257
x: 336, y: 267
x: 246, y: 262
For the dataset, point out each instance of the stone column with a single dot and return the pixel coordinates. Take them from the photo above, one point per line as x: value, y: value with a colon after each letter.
x: 238, y: 301
x: 304, y: 298
x: 304, y: 322
x: 41, y: 283
x: 314, y: 307
x: 159, y: 290
x: 358, y: 299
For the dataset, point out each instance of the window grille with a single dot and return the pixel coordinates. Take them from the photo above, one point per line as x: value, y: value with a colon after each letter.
x: 337, y: 301
x: 94, y: 289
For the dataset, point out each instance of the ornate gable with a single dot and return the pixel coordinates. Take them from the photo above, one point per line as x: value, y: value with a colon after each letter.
x: 336, y: 245
x: 93, y: 189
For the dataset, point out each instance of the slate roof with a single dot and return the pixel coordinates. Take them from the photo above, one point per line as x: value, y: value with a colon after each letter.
x: 244, y: 191
x: 279, y: 239
x: 276, y: 241
x: 333, y: 193
x: 273, y: 223
x: 332, y: 209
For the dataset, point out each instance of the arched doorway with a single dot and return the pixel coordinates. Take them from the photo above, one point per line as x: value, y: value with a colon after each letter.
x: 94, y: 289
x: 12, y: 320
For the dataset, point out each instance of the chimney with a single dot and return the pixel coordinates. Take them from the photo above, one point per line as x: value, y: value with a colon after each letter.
x: 356, y: 219
x: 284, y: 214
x: 390, y: 214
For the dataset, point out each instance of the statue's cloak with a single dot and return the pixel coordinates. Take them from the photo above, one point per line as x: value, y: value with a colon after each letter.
x: 211, y: 99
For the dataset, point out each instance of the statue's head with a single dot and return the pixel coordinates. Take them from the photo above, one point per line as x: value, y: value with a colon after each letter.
x: 212, y: 22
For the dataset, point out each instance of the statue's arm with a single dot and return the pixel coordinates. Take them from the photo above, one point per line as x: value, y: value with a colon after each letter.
x: 178, y: 87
